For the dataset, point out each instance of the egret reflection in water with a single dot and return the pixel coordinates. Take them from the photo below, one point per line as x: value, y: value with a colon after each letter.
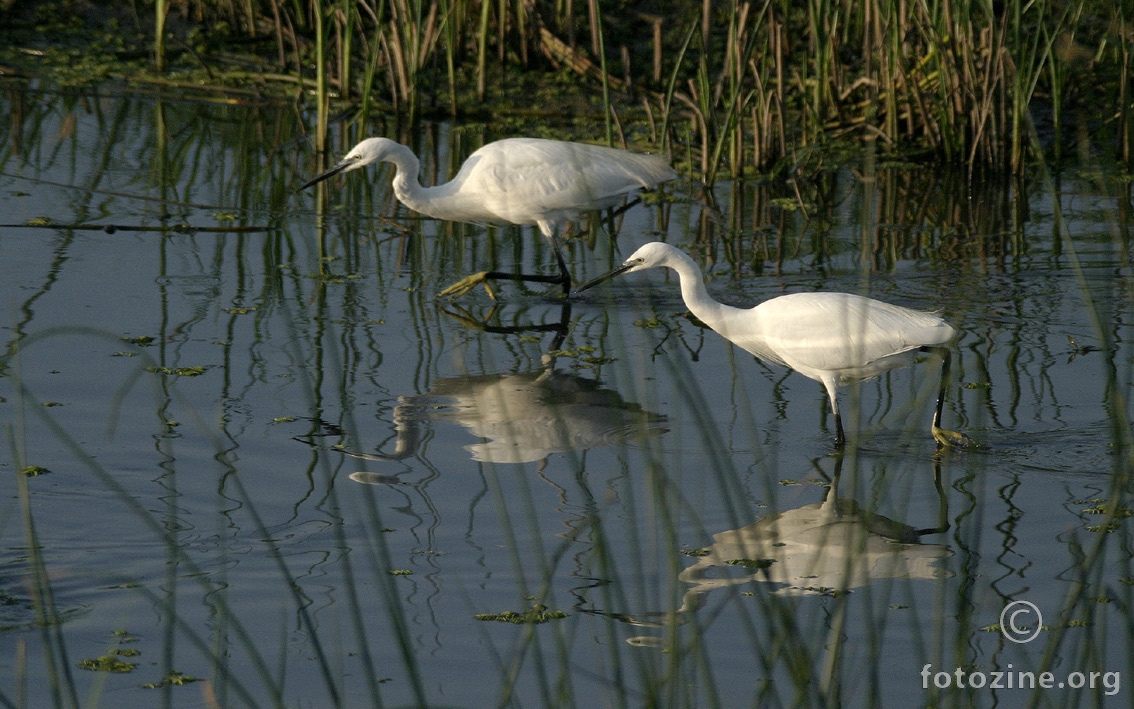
x: 823, y: 548
x: 831, y: 546
x: 522, y: 417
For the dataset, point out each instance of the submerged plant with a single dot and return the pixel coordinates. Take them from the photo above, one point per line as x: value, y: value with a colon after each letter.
x: 536, y: 614
x: 107, y: 663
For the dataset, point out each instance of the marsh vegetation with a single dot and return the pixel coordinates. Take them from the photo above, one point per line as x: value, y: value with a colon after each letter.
x: 731, y: 89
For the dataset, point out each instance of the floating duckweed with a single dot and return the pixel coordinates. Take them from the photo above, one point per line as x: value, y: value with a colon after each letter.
x: 751, y: 563
x: 283, y: 419
x: 32, y: 471
x: 400, y: 572
x: 536, y: 614
x: 597, y: 360
x: 140, y: 341
x: 174, y: 678
x: 108, y: 663
x: 1102, y: 510
x: 240, y: 311
x: 38, y: 221
x: 51, y: 403
x: 178, y: 371
x: 579, y: 352
x: 695, y: 552
x: 649, y: 324
x: 1108, y: 527
x: 826, y: 591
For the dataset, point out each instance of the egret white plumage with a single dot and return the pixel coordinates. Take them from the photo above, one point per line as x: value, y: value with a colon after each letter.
x: 523, y: 181
x: 833, y: 338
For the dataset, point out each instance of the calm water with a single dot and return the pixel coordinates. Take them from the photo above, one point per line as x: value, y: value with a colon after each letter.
x: 248, y: 407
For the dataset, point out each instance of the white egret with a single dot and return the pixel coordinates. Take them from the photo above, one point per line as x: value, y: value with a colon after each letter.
x: 522, y: 181
x: 833, y: 338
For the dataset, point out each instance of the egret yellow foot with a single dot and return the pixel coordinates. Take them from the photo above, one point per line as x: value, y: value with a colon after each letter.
x: 953, y: 439
x: 467, y: 284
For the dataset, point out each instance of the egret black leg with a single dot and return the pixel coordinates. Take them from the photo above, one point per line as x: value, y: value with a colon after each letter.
x: 563, y: 280
x: 564, y: 274
x: 946, y: 358
x: 840, y: 437
x: 944, y: 437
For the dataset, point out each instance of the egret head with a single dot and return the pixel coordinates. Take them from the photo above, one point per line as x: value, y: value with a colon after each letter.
x: 653, y: 255
x: 367, y: 152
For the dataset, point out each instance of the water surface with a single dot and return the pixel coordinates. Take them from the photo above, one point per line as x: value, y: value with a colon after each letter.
x: 272, y: 459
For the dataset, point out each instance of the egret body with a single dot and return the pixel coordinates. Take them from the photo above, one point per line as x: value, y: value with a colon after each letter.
x: 524, y: 181
x: 833, y: 338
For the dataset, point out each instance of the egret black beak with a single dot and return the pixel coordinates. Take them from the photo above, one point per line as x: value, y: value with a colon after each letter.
x: 344, y: 164
x: 607, y: 276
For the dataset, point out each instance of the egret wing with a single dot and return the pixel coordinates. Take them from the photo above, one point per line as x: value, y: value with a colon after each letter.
x: 839, y: 331
x: 526, y: 181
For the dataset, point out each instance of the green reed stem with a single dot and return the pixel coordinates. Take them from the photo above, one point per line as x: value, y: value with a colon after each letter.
x: 482, y: 51
x: 600, y: 44
x: 323, y: 104
x: 160, y: 10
